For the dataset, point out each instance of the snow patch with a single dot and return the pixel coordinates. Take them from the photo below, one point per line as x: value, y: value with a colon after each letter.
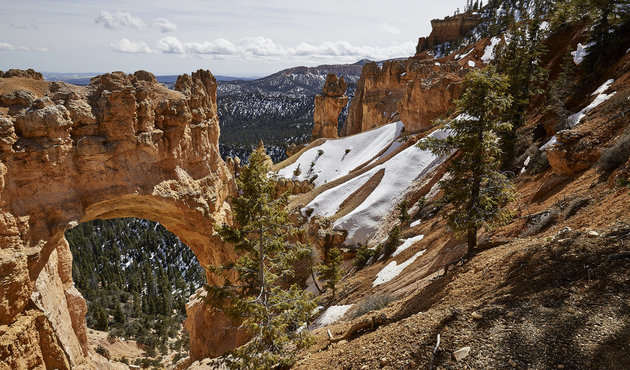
x: 415, y: 223
x: 336, y: 158
x: 488, y: 54
x: 549, y: 143
x: 393, y: 269
x: 406, y: 244
x: 331, y: 315
x: 603, y: 87
x: 581, y: 52
x: 575, y: 118
x: 471, y: 63
x: 462, y: 56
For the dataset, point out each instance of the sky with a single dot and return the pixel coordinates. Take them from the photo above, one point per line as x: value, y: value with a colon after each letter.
x: 228, y: 37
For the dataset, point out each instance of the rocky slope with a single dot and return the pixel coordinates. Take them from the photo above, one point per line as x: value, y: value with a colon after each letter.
x: 124, y: 146
x: 328, y: 106
x: 547, y: 290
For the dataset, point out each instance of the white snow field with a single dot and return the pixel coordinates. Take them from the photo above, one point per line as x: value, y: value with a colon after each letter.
x: 488, y: 52
x: 331, y: 315
x: 337, y: 157
x: 393, y: 269
x: 400, y: 172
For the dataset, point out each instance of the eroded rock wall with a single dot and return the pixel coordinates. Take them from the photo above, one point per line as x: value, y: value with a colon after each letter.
x: 123, y: 146
x: 448, y: 29
x: 414, y: 91
x: 328, y: 106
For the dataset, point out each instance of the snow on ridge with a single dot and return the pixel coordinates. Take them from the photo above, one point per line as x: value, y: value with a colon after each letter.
x: 400, y: 172
x: 575, y: 118
x: 603, y: 87
x: 406, y: 244
x: 336, y: 158
x: 393, y: 269
x: 488, y: 54
x: 331, y: 315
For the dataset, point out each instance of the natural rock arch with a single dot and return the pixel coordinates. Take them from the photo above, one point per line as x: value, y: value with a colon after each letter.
x: 124, y: 146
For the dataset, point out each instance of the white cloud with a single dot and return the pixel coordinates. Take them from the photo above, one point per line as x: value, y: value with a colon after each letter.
x: 170, y: 45
x: 164, y: 25
x: 387, y: 28
x: 8, y: 47
x: 131, y: 47
x: 258, y: 48
x: 118, y: 20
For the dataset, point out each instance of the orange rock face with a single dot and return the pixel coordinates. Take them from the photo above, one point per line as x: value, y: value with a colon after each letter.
x: 328, y: 106
x: 448, y: 29
x: 414, y: 91
x: 124, y: 146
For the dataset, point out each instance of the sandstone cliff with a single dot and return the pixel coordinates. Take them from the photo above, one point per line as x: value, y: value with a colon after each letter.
x: 448, y: 29
x: 328, y: 106
x: 124, y: 146
x: 414, y: 91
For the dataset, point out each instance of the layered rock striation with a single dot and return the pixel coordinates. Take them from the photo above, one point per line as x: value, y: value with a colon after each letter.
x: 123, y: 146
x: 328, y: 106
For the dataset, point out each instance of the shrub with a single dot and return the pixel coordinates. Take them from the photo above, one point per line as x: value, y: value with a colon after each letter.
x: 369, y: 304
x: 363, y: 256
x: 297, y: 171
x: 347, y: 150
x: 618, y: 154
x: 320, y: 152
x: 403, y: 207
x: 102, y: 351
x: 393, y: 239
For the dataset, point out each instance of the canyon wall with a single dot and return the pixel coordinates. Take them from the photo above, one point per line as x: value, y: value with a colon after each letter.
x: 123, y: 146
x: 448, y: 29
x: 414, y: 91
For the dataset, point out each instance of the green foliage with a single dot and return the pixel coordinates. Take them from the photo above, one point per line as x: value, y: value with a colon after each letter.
x: 330, y: 271
x: 608, y: 24
x: 254, y: 285
x: 102, y: 351
x: 476, y: 188
x: 403, y: 208
x: 136, y: 277
x: 392, y: 242
x: 519, y: 58
x: 364, y: 253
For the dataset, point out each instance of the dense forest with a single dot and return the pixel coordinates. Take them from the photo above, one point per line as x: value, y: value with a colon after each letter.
x: 136, y: 277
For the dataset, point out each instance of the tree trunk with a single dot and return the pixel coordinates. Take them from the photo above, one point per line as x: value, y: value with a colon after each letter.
x: 472, y: 240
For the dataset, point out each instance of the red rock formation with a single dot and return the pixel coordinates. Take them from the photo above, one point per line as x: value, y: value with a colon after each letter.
x: 448, y: 29
x: 124, y: 146
x: 414, y: 91
x: 328, y: 106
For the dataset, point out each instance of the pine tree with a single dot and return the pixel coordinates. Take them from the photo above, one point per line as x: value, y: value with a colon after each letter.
x: 475, y: 186
x: 403, y: 207
x: 253, y: 285
x: 519, y: 58
x: 330, y: 270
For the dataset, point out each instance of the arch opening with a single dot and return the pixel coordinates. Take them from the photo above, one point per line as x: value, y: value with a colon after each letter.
x: 136, y: 277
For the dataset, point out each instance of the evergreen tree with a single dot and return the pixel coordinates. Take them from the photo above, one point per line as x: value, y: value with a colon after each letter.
x: 519, y: 58
x: 475, y: 186
x: 403, y: 207
x: 260, y: 235
x: 330, y: 270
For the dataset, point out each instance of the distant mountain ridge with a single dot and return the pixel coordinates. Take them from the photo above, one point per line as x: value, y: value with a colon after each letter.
x: 277, y: 109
